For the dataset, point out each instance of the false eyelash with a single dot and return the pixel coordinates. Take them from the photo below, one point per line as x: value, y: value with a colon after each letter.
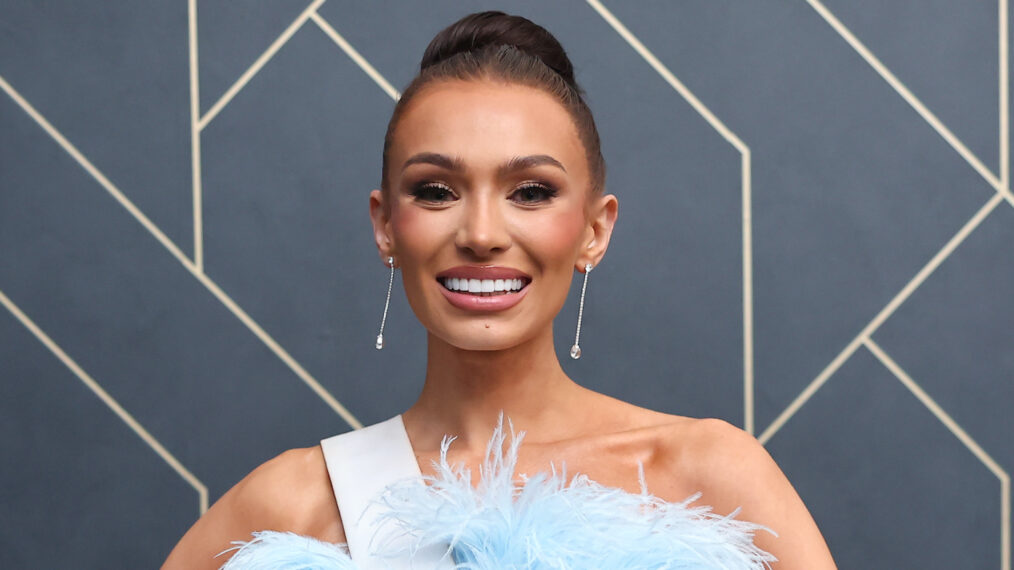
x: 548, y: 191
x: 418, y: 191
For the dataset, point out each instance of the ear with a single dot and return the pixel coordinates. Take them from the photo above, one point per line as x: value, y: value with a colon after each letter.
x: 601, y: 219
x: 380, y: 215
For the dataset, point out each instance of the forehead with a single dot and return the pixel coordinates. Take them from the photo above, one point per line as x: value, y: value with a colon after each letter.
x: 486, y: 122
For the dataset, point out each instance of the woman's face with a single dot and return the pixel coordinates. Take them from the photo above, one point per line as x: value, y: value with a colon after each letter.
x: 488, y: 211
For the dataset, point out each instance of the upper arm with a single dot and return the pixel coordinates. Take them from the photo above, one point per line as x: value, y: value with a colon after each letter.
x: 738, y: 472
x: 288, y: 493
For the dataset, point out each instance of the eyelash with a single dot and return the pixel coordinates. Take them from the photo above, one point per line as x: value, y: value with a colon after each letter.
x: 427, y: 192
x: 548, y: 192
x: 423, y: 192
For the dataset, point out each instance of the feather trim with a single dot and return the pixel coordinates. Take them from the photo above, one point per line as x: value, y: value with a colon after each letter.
x: 539, y: 523
x: 545, y: 522
x: 271, y: 550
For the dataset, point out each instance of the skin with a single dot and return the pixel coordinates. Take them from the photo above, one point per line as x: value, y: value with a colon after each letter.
x: 451, y: 201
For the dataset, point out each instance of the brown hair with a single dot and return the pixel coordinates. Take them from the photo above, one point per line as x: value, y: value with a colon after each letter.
x: 496, y: 46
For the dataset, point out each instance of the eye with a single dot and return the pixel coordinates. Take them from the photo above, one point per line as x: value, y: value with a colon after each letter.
x: 433, y: 192
x: 532, y: 193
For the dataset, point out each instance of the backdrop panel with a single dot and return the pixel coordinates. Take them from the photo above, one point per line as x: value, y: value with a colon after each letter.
x: 815, y: 243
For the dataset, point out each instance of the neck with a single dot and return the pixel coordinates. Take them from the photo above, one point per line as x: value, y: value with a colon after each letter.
x: 465, y: 392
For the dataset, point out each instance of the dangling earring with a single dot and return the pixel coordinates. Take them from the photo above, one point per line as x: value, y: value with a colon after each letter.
x: 387, y: 303
x: 575, y: 351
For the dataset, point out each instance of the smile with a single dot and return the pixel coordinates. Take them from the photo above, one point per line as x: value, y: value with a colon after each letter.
x: 485, y: 287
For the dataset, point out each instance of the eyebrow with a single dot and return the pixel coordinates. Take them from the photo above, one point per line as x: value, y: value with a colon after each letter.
x: 525, y: 162
x: 441, y: 160
x: 457, y: 165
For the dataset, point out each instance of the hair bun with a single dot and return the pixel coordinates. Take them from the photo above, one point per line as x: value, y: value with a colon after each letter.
x: 490, y: 29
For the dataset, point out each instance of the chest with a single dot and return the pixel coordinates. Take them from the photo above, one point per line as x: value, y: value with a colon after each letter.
x: 616, y: 464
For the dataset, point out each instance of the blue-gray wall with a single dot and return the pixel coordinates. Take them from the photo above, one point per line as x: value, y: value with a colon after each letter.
x: 189, y: 284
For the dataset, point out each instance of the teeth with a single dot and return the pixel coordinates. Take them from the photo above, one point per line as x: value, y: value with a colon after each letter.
x: 483, y: 286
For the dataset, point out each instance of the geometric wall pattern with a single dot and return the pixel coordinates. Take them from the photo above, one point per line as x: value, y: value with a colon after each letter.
x: 816, y: 243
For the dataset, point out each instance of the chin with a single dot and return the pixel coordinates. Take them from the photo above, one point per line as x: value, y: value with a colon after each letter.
x: 478, y: 338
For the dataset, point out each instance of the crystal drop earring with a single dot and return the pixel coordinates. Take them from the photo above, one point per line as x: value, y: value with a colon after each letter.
x: 387, y: 303
x: 575, y: 351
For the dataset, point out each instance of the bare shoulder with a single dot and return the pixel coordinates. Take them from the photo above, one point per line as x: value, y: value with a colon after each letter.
x: 728, y: 466
x: 733, y: 471
x: 291, y: 492
x: 715, y: 452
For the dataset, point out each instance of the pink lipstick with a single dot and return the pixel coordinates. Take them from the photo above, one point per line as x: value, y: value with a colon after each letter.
x: 483, y: 288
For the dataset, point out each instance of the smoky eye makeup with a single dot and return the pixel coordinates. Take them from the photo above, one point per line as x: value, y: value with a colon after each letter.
x: 528, y: 193
x: 533, y: 193
x: 431, y: 192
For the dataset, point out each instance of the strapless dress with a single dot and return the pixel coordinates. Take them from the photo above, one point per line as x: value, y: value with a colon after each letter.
x: 396, y: 518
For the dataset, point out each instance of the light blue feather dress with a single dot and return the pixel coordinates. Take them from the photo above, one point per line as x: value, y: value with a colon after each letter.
x: 546, y: 521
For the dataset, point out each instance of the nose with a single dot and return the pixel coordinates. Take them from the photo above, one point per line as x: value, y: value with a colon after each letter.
x: 483, y: 230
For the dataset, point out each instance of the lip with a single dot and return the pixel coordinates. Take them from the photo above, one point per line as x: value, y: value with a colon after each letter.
x: 484, y: 272
x: 478, y: 303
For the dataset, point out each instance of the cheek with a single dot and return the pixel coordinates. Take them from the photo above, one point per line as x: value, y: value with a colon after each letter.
x: 554, y: 242
x: 415, y: 233
x: 419, y: 238
x: 556, y: 238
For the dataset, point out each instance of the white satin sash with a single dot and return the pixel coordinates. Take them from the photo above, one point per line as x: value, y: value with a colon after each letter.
x: 361, y: 463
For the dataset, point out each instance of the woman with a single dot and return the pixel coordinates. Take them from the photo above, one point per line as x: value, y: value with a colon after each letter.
x: 492, y: 195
